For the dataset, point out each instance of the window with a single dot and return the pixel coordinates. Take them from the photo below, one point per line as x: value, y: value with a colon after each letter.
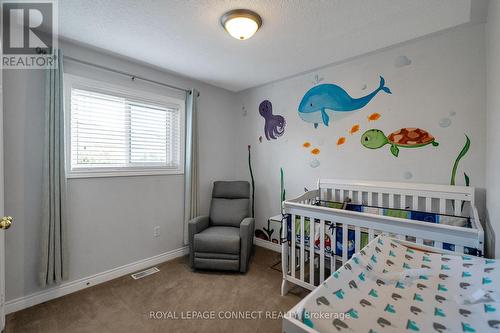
x: 117, y: 132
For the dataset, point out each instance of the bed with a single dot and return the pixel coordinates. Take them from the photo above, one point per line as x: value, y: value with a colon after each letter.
x: 320, y: 232
x: 393, y: 285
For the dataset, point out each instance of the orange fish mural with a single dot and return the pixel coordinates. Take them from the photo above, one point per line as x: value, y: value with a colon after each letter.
x: 315, y: 151
x: 341, y: 141
x: 374, y: 116
x: 354, y: 129
x: 306, y: 144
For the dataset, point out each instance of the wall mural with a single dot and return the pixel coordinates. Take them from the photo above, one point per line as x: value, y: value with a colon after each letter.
x: 374, y: 116
x: 402, y: 61
x: 354, y: 129
x: 404, y: 138
x: 313, y: 163
x: 251, y: 177
x: 317, y: 79
x: 319, y: 103
x: 446, y: 122
x: 461, y: 154
x: 274, y: 126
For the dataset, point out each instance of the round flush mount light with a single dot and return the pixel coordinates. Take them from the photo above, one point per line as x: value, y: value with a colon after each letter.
x: 241, y: 23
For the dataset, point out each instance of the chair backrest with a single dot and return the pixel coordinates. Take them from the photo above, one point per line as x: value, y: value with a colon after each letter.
x: 230, y: 203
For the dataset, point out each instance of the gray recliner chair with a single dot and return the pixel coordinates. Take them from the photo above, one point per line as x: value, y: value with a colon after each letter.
x: 224, y: 239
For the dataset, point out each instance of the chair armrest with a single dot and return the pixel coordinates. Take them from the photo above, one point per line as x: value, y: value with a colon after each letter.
x: 195, y: 226
x: 246, y: 235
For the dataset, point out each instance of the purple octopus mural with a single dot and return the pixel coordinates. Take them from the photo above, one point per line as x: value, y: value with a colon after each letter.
x: 275, y: 124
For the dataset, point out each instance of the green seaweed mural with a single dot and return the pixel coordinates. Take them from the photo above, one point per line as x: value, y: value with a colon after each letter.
x: 251, y: 177
x: 269, y: 232
x: 282, y: 189
x: 462, y: 153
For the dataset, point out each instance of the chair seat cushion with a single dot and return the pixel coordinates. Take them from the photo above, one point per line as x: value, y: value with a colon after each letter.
x: 218, y: 240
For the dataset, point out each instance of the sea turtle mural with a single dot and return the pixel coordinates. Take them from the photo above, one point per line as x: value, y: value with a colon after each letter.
x: 319, y: 102
x: 403, y: 138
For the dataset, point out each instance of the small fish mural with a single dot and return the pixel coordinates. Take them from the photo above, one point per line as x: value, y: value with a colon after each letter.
x: 374, y: 117
x: 319, y: 103
x: 315, y: 151
x: 306, y: 144
x: 341, y: 141
x: 354, y: 129
x: 274, y: 126
x: 403, y: 138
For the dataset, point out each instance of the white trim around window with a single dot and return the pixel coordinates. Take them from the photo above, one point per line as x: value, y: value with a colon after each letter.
x: 170, y: 161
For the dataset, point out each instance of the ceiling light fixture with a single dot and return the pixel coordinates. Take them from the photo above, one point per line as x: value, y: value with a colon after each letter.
x: 241, y: 23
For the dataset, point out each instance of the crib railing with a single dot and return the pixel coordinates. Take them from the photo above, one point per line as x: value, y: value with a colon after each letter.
x: 306, y: 264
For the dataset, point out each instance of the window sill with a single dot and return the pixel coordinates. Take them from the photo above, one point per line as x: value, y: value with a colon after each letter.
x: 114, y: 173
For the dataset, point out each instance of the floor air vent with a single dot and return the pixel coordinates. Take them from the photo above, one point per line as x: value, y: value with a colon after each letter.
x: 149, y: 271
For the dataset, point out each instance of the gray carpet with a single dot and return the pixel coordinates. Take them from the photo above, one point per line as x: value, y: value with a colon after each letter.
x: 124, y: 304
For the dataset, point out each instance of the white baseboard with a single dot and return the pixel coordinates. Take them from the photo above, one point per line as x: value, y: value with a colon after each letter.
x: 76, y: 285
x: 267, y: 244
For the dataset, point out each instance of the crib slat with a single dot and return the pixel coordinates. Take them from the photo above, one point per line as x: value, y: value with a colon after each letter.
x: 442, y: 206
x: 419, y: 241
x: 391, y: 200
x: 292, y: 252
x: 370, y: 198
x: 438, y: 245
x: 357, y: 239
x: 302, y: 247
x: 428, y: 204
x: 311, y: 251
x: 329, y: 195
x: 371, y: 235
x: 344, y: 243
x: 459, y: 249
x: 284, y: 250
x: 458, y: 207
x: 322, y: 251
x: 334, y: 247
x: 402, y: 202
x: 414, y: 201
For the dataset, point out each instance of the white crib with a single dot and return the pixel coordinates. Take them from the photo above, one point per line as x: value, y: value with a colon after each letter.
x: 299, y: 259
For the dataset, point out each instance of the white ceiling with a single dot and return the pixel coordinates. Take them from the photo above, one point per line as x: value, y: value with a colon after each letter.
x: 185, y: 36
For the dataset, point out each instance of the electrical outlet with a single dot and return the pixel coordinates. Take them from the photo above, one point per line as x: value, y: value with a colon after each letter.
x: 156, y: 231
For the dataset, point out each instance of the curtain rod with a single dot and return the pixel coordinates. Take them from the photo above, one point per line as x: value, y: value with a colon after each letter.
x: 133, y: 77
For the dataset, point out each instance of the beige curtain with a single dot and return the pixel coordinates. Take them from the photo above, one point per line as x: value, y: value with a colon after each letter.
x: 54, y: 252
x: 191, y: 174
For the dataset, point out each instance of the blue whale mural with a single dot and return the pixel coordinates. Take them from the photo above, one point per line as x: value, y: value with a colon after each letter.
x: 323, y: 99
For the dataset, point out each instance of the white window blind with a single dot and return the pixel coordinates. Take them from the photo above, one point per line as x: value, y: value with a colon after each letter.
x: 112, y: 132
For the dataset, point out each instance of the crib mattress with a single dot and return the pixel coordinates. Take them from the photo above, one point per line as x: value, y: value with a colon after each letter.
x: 389, y: 287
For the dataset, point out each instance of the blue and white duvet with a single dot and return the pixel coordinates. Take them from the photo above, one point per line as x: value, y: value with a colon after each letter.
x: 389, y: 287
